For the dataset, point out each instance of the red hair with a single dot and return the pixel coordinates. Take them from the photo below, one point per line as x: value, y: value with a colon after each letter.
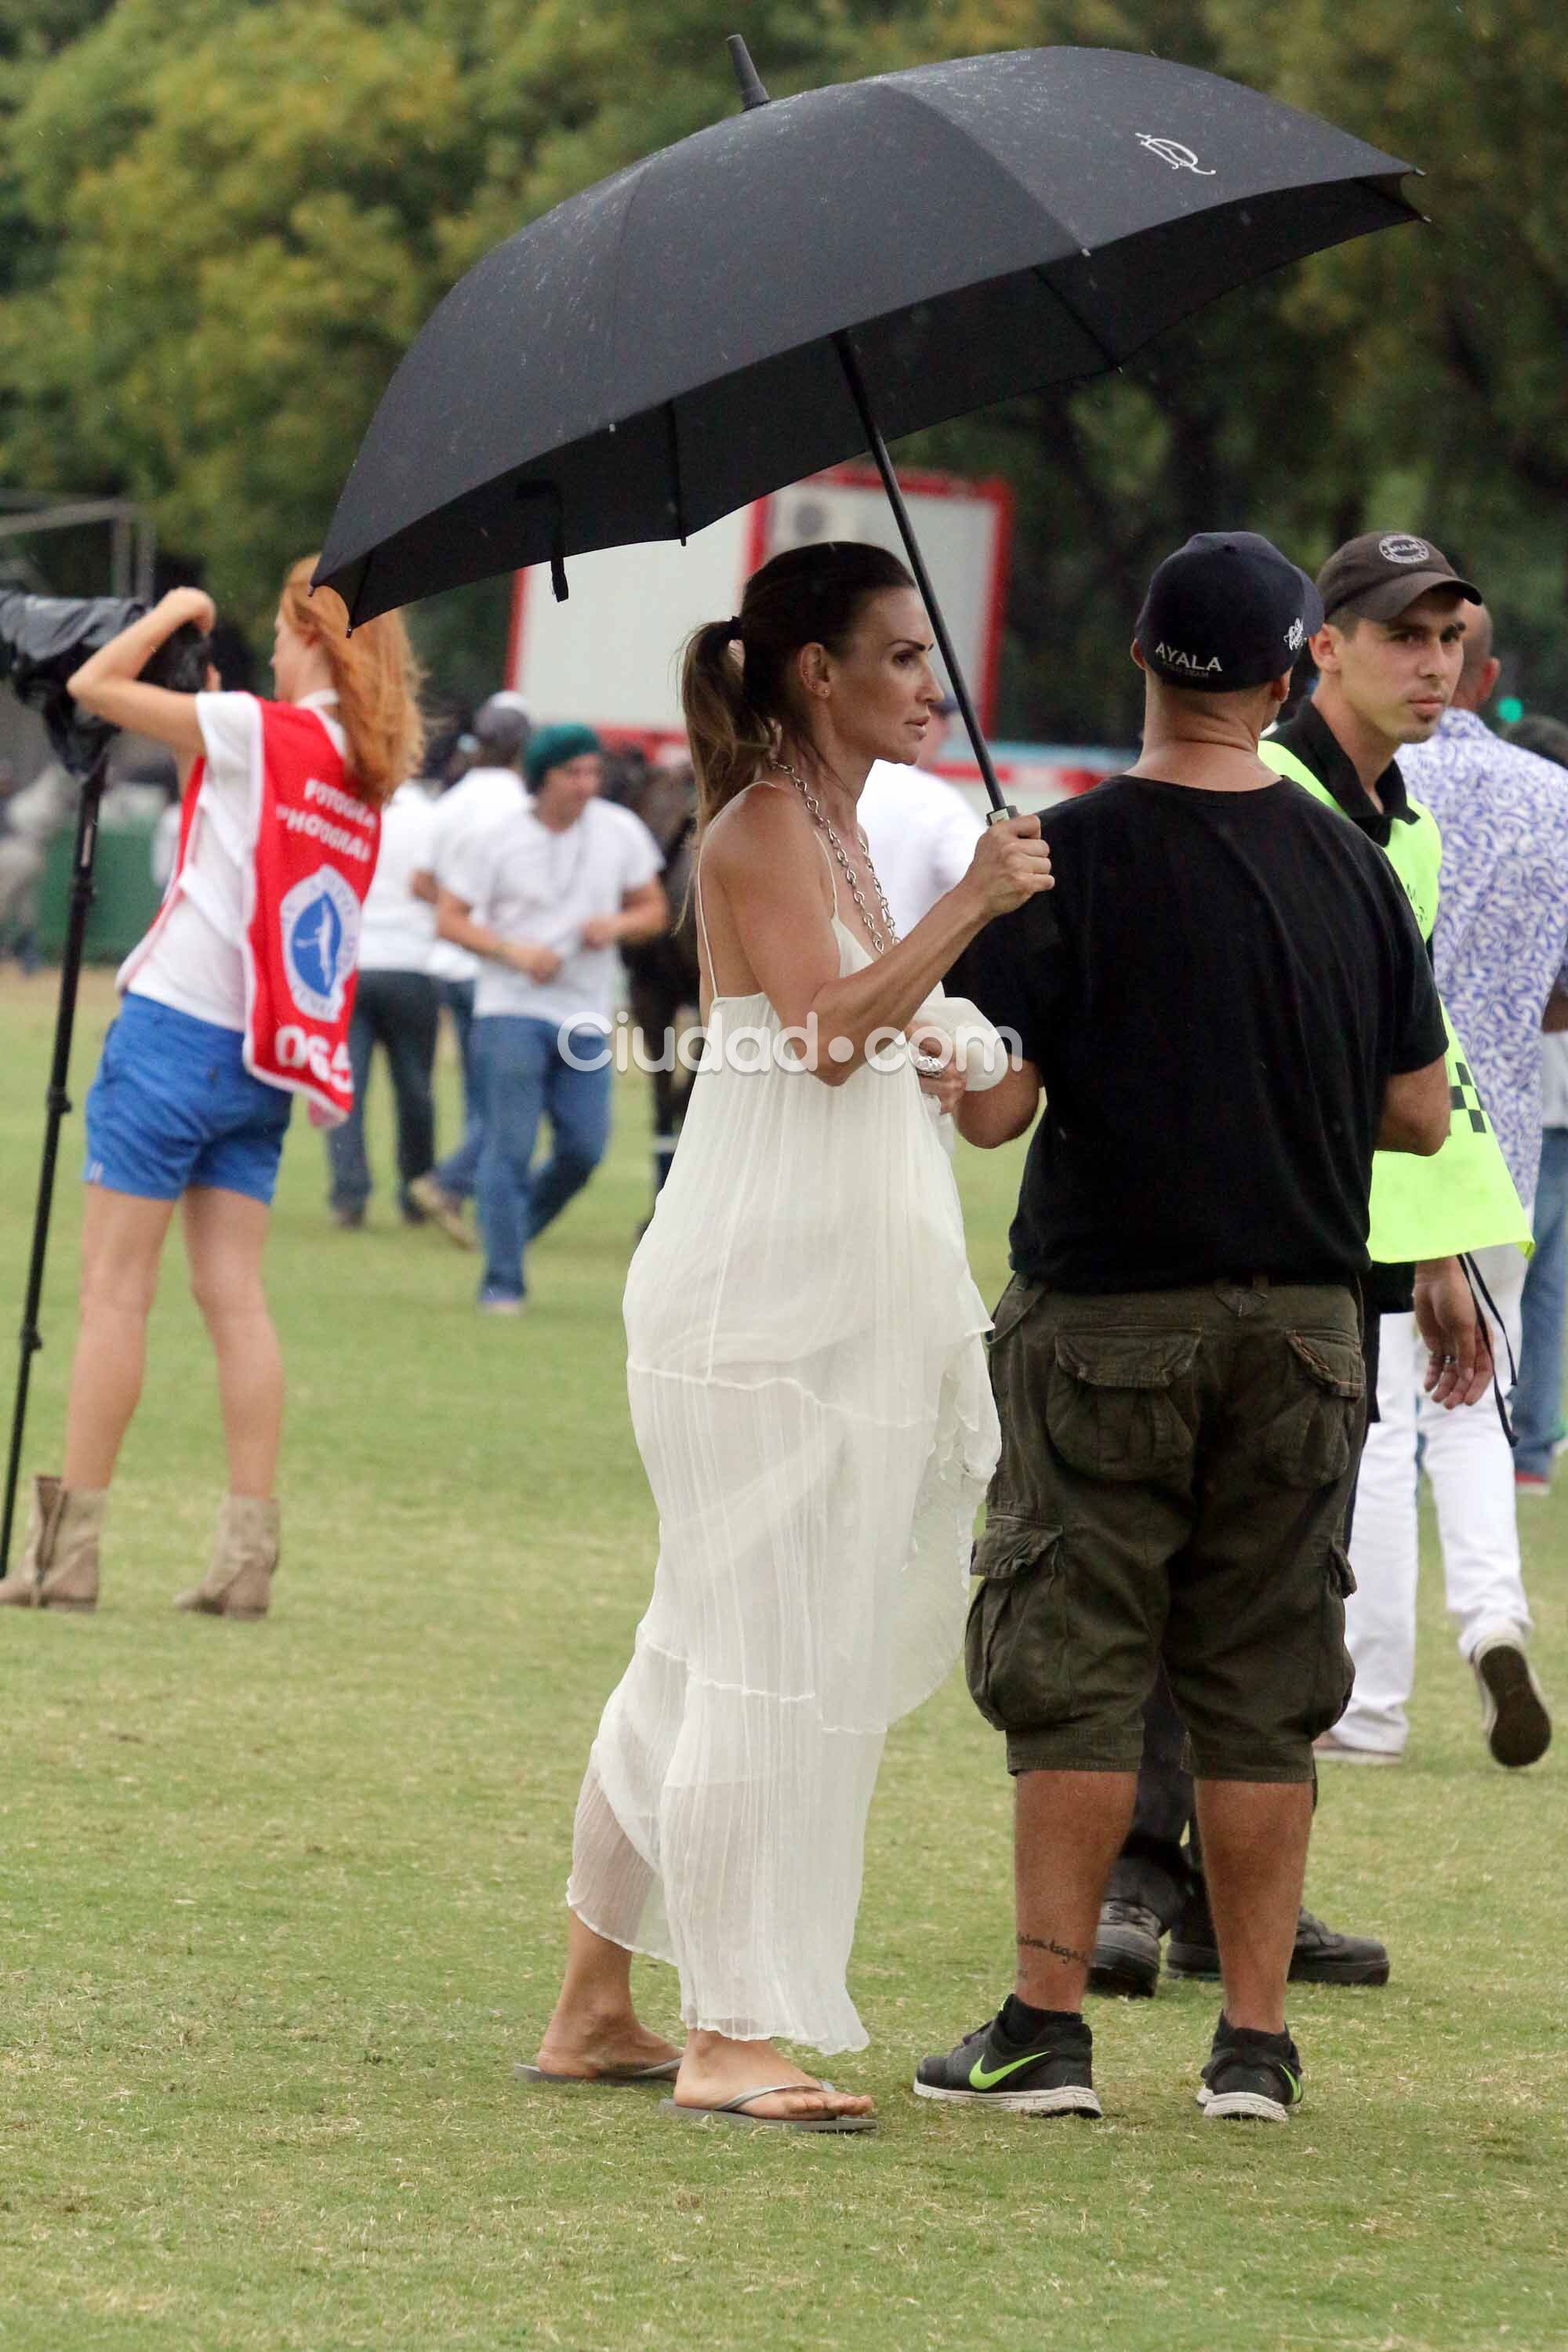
x: 378, y: 681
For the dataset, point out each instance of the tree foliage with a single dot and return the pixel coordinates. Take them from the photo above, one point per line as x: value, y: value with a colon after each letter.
x: 223, y: 220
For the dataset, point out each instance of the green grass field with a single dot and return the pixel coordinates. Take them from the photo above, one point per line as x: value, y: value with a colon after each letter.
x: 282, y: 1904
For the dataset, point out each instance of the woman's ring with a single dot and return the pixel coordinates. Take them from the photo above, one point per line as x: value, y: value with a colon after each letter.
x: 928, y: 1064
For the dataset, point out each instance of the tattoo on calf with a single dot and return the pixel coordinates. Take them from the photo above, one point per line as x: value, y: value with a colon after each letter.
x: 1050, y: 1944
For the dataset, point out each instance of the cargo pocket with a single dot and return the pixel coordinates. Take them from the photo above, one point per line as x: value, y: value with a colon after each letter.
x: 1336, y: 1669
x: 1011, y: 1309
x: 1108, y: 1407
x: 1306, y: 1441
x: 1015, y: 1646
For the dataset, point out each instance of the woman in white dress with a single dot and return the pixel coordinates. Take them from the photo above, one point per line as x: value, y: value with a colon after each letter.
x: 806, y: 1375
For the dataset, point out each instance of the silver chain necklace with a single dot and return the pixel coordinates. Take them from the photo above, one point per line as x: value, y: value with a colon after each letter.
x: 880, y: 940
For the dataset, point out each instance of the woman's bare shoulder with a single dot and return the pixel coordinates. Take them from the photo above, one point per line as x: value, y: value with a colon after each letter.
x: 765, y: 818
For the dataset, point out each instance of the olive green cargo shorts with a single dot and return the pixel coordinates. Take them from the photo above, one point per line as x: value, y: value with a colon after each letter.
x: 1175, y: 1466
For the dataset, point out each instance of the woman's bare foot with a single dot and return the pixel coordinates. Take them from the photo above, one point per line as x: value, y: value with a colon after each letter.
x: 594, y: 2031
x: 591, y: 2046
x: 714, y: 2070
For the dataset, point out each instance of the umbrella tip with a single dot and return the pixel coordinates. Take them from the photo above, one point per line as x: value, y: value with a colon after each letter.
x: 751, y: 91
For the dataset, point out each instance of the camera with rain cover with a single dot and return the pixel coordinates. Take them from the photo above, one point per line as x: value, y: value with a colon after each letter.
x: 45, y: 639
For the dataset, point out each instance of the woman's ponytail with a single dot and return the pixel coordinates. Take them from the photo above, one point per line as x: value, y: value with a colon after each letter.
x: 730, y: 740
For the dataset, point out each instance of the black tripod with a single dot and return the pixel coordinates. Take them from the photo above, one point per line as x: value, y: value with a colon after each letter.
x: 58, y: 1105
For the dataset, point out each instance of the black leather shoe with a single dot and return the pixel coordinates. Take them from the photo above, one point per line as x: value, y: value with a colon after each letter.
x: 1126, y: 1950
x: 1321, y: 1956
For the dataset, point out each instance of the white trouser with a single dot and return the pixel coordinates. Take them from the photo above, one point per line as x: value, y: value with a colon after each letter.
x: 1471, y: 1465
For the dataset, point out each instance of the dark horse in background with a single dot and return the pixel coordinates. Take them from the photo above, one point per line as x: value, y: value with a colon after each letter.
x: 662, y: 974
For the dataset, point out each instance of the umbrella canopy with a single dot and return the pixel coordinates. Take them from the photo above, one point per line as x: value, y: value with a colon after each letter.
x: 662, y: 348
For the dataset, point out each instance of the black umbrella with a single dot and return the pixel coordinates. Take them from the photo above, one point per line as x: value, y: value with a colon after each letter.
x: 779, y: 291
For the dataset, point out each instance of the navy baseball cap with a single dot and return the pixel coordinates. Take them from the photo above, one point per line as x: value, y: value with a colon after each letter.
x: 1225, y: 612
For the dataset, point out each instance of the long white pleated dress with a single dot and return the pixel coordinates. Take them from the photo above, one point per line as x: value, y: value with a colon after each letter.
x: 809, y: 1393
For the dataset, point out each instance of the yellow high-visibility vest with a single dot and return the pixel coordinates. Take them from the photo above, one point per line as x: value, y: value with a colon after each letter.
x: 1463, y: 1198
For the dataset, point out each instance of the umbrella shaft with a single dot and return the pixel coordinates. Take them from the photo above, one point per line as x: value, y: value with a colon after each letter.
x: 879, y: 449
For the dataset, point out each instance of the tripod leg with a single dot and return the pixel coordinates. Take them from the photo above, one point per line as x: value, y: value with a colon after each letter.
x: 58, y: 1105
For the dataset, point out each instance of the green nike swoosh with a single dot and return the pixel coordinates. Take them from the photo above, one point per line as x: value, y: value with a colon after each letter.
x: 983, y: 2078
x: 1295, y: 2082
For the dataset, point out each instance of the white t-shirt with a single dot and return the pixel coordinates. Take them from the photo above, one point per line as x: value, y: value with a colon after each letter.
x: 195, y: 966
x: 42, y: 808
x: 922, y: 833
x: 528, y: 883
x: 483, y: 797
x: 1554, y: 1079
x: 397, y: 929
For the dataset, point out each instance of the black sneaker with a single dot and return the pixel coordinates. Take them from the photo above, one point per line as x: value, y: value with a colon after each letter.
x: 1250, y: 2076
x: 1126, y: 1957
x: 1049, y: 2076
x: 1321, y: 1955
x: 1514, y: 1722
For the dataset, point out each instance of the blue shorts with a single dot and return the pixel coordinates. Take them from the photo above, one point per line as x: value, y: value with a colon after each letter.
x: 173, y: 1106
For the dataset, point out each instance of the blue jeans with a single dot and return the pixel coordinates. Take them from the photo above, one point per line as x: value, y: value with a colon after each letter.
x: 1538, y: 1399
x: 523, y: 1078
x: 455, y: 1174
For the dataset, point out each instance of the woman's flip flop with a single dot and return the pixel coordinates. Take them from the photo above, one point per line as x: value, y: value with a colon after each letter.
x: 733, y: 2112
x: 612, y: 2078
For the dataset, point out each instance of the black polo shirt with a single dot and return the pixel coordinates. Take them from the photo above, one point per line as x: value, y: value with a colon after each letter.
x: 1315, y: 744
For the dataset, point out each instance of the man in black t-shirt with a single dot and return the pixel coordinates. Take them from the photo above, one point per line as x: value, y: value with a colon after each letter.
x: 1228, y: 1004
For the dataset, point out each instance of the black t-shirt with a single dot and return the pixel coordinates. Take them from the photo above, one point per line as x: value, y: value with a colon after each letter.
x: 1216, y: 994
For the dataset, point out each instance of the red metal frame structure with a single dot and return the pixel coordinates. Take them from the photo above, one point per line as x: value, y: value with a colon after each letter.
x: 917, y: 482
x: 924, y: 483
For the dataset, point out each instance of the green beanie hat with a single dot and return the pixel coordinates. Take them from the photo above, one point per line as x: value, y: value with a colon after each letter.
x: 552, y: 747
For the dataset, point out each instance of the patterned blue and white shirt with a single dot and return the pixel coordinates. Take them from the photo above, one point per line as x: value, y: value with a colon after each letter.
x: 1502, y: 942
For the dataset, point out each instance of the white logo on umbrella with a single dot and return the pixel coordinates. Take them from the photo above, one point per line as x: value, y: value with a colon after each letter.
x: 1172, y: 151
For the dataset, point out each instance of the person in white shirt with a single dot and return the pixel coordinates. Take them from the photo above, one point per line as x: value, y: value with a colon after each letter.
x: 397, y: 1006
x: 542, y: 898
x: 491, y: 789
x: 920, y: 832
x: 30, y: 819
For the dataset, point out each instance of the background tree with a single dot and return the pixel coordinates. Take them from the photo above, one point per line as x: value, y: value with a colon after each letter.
x: 224, y: 219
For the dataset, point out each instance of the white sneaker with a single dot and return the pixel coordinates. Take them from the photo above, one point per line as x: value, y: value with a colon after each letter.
x: 1330, y: 1748
x: 1515, y: 1723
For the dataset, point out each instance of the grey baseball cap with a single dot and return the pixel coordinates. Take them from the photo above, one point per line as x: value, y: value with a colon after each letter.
x: 504, y: 723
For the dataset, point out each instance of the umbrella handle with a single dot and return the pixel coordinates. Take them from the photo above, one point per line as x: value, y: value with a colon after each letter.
x: 879, y: 450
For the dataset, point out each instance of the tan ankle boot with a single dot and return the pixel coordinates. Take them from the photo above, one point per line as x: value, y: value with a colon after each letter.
x: 59, y: 1568
x: 238, y: 1582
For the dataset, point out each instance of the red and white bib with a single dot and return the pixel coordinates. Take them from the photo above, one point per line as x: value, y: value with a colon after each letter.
x: 311, y: 852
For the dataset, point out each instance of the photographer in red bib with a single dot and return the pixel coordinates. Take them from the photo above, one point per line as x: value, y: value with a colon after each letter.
x: 238, y: 998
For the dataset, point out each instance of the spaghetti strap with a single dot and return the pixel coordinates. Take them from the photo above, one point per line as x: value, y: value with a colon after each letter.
x: 702, y: 922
